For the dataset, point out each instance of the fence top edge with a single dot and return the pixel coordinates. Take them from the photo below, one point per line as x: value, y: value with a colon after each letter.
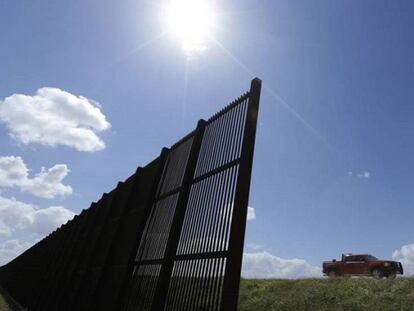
x: 233, y: 104
x: 182, y: 140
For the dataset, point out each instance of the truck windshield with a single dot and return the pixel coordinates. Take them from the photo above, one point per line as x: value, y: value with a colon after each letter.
x: 370, y: 257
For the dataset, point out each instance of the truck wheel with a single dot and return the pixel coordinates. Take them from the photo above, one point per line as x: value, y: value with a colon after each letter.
x: 392, y: 275
x: 377, y: 273
x: 332, y: 274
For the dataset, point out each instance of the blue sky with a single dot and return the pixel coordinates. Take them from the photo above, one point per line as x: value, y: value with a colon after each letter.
x: 333, y: 165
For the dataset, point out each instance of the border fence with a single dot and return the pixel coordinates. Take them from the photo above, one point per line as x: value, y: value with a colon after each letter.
x: 170, y: 237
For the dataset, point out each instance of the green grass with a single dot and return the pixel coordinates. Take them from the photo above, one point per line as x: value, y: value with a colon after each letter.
x: 340, y: 294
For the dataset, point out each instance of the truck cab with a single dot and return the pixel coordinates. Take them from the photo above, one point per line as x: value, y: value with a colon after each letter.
x: 362, y: 264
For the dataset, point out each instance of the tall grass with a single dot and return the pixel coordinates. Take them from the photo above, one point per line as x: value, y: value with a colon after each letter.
x: 340, y: 294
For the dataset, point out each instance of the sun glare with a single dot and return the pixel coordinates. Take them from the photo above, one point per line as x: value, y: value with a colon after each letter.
x: 191, y: 21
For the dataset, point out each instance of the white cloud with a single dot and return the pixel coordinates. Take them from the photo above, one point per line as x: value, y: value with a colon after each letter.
x: 254, y: 246
x: 16, y: 215
x: 362, y: 175
x: 48, y: 219
x: 406, y: 256
x: 264, y: 265
x: 54, y: 117
x: 251, y: 213
x: 11, y: 249
x: 46, y: 184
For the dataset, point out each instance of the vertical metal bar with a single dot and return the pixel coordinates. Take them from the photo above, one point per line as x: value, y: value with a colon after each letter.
x: 215, y: 217
x: 241, y: 200
x: 200, y: 203
x: 187, y: 221
x: 183, y: 285
x: 199, y: 280
x: 171, y: 249
x: 206, y: 211
x: 173, y: 286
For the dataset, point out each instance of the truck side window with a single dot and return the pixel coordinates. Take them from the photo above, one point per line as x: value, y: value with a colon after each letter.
x: 350, y: 258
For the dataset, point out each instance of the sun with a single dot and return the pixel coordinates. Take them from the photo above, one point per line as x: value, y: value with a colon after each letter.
x: 191, y: 22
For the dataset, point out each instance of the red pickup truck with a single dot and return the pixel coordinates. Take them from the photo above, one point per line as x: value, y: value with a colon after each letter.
x: 362, y: 265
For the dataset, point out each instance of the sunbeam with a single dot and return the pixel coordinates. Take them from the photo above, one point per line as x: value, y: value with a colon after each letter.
x: 184, y: 105
x: 140, y: 47
x: 276, y: 96
x: 247, y: 70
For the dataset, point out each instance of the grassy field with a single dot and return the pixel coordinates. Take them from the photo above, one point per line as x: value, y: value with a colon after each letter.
x: 327, y: 294
x: 342, y: 294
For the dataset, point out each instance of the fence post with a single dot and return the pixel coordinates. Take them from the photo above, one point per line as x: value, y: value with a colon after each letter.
x: 241, y: 200
x: 172, y: 244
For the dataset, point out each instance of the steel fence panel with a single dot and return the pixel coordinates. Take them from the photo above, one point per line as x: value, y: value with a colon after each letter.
x: 170, y: 237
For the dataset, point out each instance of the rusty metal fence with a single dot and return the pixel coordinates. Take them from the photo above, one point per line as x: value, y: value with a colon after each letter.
x: 170, y: 237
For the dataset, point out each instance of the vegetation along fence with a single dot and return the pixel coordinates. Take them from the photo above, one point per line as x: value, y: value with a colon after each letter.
x: 170, y: 237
